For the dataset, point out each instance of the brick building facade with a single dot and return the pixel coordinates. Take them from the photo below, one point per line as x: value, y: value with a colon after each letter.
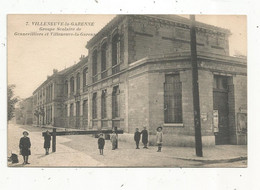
x: 138, y: 74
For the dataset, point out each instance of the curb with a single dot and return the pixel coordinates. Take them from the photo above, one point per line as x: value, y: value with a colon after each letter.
x: 215, y: 161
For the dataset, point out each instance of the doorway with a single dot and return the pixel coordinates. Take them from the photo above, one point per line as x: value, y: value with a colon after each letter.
x: 220, y: 103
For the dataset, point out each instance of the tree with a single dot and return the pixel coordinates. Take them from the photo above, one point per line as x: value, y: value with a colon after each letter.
x: 11, y: 101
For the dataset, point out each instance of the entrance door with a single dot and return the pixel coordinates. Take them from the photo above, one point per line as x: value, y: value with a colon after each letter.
x: 220, y: 103
x: 220, y: 99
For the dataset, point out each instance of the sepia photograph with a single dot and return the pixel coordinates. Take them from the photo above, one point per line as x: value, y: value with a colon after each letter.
x: 131, y: 91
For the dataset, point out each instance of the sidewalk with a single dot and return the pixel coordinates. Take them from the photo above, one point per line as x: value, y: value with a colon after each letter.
x: 81, y: 151
x: 65, y: 157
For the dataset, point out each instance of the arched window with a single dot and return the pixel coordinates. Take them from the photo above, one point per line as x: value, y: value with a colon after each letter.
x: 94, y: 66
x: 78, y: 82
x: 115, y: 53
x: 104, y: 60
x: 72, y: 85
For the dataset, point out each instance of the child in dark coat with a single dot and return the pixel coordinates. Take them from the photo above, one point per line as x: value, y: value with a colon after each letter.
x: 101, y: 143
x: 25, y: 145
x: 47, y: 142
x: 137, y: 138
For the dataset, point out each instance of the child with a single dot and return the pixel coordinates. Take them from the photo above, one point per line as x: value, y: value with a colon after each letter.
x: 101, y: 143
x: 137, y: 137
x: 113, y: 139
x: 159, y: 138
x: 47, y: 142
x: 25, y: 145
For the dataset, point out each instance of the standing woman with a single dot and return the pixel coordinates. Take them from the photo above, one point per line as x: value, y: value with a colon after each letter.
x: 25, y: 145
x: 113, y: 139
x: 47, y: 142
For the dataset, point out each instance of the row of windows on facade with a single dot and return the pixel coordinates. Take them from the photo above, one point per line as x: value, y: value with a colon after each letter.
x: 104, y: 96
x: 47, y: 117
x: 72, y: 83
x: 117, y: 49
x: 49, y: 94
x: 172, y: 100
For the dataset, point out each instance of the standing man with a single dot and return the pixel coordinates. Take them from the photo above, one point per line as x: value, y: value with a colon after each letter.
x: 137, y: 138
x: 144, y: 137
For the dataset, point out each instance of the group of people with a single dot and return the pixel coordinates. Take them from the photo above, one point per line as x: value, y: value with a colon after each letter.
x: 137, y: 138
x: 101, y: 142
x: 25, y: 143
x: 144, y: 133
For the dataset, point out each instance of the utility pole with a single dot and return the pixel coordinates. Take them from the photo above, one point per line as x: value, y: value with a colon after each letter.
x: 195, y: 87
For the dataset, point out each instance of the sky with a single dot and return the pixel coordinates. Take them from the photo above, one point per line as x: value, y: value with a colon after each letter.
x: 32, y: 58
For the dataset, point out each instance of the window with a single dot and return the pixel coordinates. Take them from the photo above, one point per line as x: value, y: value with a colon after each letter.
x: 94, y: 66
x: 66, y: 88
x: 65, y: 111
x: 85, y: 108
x: 115, y: 102
x: 172, y: 99
x: 104, y: 60
x: 220, y: 82
x: 104, y: 104
x: 115, y: 54
x: 71, y: 110
x: 94, y: 106
x: 51, y: 115
x: 72, y: 85
x: 85, y: 71
x: 85, y: 114
x: 78, y: 82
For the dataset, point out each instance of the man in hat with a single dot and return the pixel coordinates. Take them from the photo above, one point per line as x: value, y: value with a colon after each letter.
x: 159, y: 138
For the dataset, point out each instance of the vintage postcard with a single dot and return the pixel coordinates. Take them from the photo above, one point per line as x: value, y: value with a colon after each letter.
x: 127, y: 90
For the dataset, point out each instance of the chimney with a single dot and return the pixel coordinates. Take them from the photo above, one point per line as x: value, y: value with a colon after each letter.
x: 82, y: 57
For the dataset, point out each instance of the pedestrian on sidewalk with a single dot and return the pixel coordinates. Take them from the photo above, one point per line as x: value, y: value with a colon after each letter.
x: 137, y: 137
x: 144, y: 133
x: 101, y: 143
x: 159, y: 138
x: 113, y: 139
x: 47, y: 142
x: 25, y: 145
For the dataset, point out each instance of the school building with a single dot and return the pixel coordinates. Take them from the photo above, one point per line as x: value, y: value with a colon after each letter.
x: 138, y: 74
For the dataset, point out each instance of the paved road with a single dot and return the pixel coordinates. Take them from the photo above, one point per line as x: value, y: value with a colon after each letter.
x: 81, y: 150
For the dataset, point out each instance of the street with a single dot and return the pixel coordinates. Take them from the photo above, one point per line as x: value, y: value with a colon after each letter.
x: 82, y: 151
